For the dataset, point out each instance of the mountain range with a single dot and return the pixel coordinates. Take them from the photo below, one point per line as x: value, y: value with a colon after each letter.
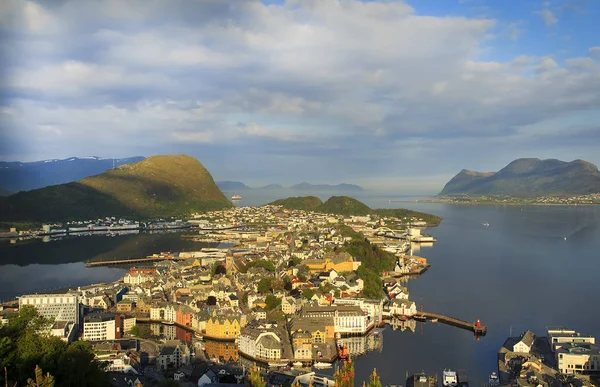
x: 528, y: 177
x: 159, y: 186
x: 17, y: 176
x: 304, y: 186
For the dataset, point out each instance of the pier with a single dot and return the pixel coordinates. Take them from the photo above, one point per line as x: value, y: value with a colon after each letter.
x: 129, y: 261
x: 477, y: 328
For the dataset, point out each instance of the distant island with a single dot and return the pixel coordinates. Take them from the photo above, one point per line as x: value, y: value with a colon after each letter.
x: 159, y: 186
x: 348, y: 206
x: 304, y: 186
x: 16, y: 176
x: 528, y: 178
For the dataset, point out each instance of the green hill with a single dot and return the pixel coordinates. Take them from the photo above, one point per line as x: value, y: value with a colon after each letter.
x: 344, y: 205
x: 304, y: 203
x: 158, y: 186
x: 529, y: 178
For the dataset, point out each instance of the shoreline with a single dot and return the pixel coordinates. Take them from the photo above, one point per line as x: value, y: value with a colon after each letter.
x: 506, y: 204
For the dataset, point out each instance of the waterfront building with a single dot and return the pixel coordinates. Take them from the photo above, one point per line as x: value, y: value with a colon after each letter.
x: 163, y: 312
x: 173, y: 354
x: 260, y: 343
x: 184, y: 315
x: 525, y: 342
x: 60, y: 307
x: 578, y: 358
x: 402, y: 307
x: 136, y: 278
x: 373, y: 308
x: 558, y: 336
x: 347, y: 319
x: 225, y: 326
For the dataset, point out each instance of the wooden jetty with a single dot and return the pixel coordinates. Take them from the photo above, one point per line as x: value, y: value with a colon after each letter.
x: 477, y: 328
x: 130, y: 261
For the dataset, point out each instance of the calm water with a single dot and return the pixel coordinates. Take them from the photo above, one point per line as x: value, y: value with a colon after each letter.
x: 519, y: 273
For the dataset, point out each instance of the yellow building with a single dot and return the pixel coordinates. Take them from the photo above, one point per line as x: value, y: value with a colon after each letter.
x: 225, y: 327
x: 339, y: 261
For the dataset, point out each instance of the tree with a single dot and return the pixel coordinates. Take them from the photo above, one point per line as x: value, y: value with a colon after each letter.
x: 344, y: 376
x: 374, y: 379
x: 141, y: 331
x: 272, y: 302
x: 264, y: 285
x: 40, y: 379
x: 255, y: 379
x: 308, y: 293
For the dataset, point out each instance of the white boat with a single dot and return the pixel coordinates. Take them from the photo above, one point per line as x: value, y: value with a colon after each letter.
x: 485, y: 224
x: 297, y: 364
x: 494, y: 380
x: 236, y: 197
x: 322, y: 365
x: 449, y: 378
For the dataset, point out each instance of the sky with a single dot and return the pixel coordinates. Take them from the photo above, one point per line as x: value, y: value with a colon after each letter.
x: 386, y: 94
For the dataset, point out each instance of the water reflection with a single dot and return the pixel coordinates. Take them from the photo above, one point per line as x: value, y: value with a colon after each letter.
x: 221, y: 352
x: 171, y: 332
x: 362, y: 344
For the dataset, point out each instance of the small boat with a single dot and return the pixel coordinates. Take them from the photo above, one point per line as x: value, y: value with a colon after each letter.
x: 494, y: 380
x: 297, y: 364
x: 434, y: 320
x: 322, y: 365
x: 236, y: 197
x: 485, y: 224
x: 449, y: 378
x: 168, y: 322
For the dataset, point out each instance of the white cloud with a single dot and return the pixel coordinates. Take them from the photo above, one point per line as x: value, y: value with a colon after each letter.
x: 344, y: 75
x: 547, y: 15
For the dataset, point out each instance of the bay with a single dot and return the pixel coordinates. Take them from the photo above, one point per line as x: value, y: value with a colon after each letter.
x: 518, y: 273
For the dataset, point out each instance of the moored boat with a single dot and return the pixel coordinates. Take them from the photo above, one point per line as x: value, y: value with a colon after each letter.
x: 494, y: 380
x: 449, y: 378
x: 322, y: 365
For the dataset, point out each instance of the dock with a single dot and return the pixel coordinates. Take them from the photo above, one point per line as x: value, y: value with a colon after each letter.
x: 477, y: 328
x: 129, y: 261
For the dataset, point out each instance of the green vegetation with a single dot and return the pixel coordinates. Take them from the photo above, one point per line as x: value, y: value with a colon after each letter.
x: 374, y: 261
x: 268, y: 265
x: 272, y: 302
x: 24, y: 346
x: 403, y: 213
x: 142, y: 331
x: 344, y: 376
x: 264, y: 286
x: 304, y: 203
x: 255, y: 379
x: 41, y: 380
x: 158, y: 186
x: 529, y: 178
x: 347, y: 206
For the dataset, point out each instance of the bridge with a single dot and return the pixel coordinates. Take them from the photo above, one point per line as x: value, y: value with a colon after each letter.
x: 130, y: 261
x: 477, y: 328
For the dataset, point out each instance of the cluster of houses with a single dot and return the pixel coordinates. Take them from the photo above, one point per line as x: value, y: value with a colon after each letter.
x: 283, y: 292
x: 562, y: 356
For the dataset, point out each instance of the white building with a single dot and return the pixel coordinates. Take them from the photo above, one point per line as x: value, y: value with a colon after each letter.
x: 262, y: 344
x: 402, y: 307
x: 163, y: 312
x: 60, y: 307
x: 559, y: 336
x: 101, y: 326
x: 373, y: 308
x: 173, y: 354
x: 136, y: 278
x: 578, y: 359
x: 525, y: 344
x: 63, y: 330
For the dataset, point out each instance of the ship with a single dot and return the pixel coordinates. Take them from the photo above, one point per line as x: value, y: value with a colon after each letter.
x: 236, y: 197
x: 322, y: 365
x: 449, y: 378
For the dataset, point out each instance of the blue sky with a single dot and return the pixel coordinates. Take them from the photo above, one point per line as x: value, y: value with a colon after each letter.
x: 394, y: 94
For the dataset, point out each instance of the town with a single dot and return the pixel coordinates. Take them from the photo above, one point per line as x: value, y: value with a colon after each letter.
x: 280, y: 288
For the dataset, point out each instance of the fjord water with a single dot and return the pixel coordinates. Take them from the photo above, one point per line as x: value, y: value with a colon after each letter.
x: 518, y: 273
